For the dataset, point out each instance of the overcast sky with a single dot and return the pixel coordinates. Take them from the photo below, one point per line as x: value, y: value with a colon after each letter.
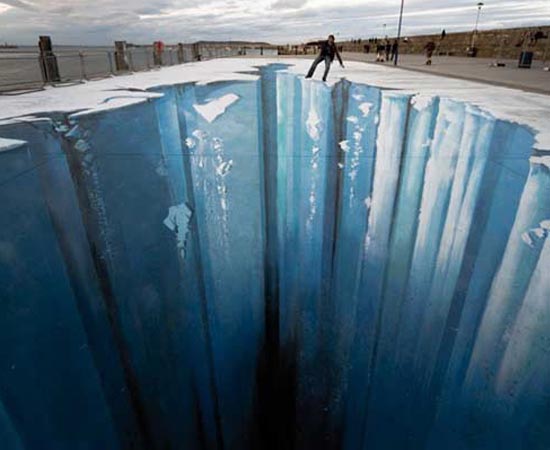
x: 100, y: 22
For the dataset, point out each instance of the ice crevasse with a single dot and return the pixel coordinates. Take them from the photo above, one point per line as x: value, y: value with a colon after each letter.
x: 274, y: 263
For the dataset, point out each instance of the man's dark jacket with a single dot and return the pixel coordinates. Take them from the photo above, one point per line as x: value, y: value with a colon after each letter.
x: 330, y: 50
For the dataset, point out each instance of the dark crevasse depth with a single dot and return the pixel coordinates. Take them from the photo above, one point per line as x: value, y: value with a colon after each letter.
x: 274, y: 264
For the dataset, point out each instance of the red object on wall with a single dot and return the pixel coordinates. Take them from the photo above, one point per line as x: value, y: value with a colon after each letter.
x: 159, y: 46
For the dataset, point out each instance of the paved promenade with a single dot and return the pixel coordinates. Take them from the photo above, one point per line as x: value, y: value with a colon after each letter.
x: 476, y: 69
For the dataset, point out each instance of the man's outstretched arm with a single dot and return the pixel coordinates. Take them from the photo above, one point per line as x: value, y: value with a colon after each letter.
x: 339, y: 57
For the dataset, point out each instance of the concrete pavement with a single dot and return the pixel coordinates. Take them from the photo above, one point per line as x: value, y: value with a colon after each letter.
x: 474, y: 69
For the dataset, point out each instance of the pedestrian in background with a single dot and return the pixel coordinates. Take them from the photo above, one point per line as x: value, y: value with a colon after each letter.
x: 429, y: 49
x: 394, y: 49
x: 388, y: 49
x: 380, y: 49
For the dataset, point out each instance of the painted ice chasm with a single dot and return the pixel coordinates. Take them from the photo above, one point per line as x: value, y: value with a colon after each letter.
x: 274, y: 264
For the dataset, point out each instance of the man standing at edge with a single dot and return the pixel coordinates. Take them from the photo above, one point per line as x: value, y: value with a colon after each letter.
x: 327, y: 54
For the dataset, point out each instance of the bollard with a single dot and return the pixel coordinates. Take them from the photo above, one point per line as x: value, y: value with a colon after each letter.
x: 82, y: 67
x: 130, y: 61
x: 181, y: 58
x: 111, y: 67
x: 196, y: 53
x: 121, y: 61
x: 48, y: 61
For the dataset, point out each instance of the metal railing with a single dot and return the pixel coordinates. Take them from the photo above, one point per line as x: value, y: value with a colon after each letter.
x: 23, y: 72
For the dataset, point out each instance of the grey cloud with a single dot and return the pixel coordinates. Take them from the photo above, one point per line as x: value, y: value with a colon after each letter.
x: 17, y: 4
x: 102, y: 21
x: 147, y: 10
x: 289, y: 4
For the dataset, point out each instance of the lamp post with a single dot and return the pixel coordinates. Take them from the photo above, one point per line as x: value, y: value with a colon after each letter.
x: 399, y: 33
x: 474, y: 34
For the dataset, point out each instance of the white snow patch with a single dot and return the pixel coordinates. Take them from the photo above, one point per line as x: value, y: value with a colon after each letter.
x: 542, y: 160
x: 366, y: 243
x: 177, y: 221
x: 190, y: 142
x: 61, y: 128
x: 82, y: 146
x: 200, y: 135
x: 420, y: 102
x: 224, y: 168
x: 536, y: 233
x: 314, y: 125
x: 312, y: 207
x: 352, y: 119
x: 344, y: 145
x: 526, y: 237
x: 10, y: 144
x: 368, y: 202
x: 365, y: 108
x: 213, y: 109
x: 217, y: 144
x: 74, y: 132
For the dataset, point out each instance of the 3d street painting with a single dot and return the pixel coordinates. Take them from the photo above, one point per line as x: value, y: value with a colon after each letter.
x: 256, y: 260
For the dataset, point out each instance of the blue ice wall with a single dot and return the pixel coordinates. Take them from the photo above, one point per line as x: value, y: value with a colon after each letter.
x: 276, y: 264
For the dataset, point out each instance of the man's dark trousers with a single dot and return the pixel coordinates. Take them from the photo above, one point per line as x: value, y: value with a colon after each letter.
x: 318, y: 61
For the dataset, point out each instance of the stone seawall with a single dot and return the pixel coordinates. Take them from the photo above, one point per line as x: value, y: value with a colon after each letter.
x: 505, y: 43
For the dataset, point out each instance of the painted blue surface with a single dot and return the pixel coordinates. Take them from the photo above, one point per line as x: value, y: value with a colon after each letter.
x: 48, y: 374
x: 312, y: 267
